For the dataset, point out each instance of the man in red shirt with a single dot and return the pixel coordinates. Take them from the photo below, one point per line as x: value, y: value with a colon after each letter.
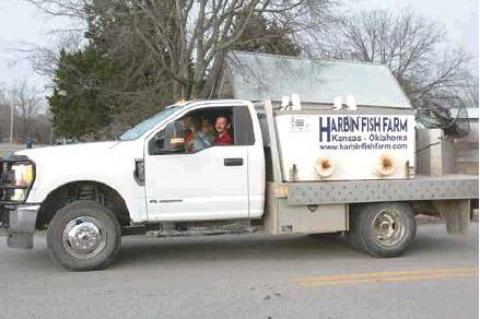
x: 222, y: 126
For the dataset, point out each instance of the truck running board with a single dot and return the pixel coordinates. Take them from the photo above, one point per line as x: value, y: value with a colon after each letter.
x: 180, y: 229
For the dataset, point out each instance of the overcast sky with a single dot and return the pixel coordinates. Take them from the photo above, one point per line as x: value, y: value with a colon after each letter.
x: 22, y: 24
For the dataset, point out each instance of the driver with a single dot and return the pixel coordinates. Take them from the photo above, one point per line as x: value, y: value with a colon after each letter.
x: 222, y: 125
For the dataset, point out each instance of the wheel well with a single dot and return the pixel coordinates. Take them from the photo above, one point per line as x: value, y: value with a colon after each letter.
x: 82, y: 190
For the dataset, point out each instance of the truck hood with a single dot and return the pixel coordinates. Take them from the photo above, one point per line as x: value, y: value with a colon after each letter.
x: 72, y: 151
x: 100, y: 161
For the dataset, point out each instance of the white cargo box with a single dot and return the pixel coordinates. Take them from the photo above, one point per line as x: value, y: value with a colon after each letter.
x: 346, y: 145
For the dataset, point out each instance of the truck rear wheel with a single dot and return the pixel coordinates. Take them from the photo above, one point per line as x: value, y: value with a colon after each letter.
x: 382, y: 229
x: 84, y: 235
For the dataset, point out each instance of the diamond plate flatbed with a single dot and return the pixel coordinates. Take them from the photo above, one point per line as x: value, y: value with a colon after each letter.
x: 363, y: 191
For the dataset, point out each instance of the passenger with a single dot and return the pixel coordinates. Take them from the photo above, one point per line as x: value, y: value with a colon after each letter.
x: 204, y: 137
x: 194, y: 125
x: 190, y: 125
x: 209, y: 130
x: 222, y: 125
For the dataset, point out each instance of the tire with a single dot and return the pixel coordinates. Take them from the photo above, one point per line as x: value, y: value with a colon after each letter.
x: 84, y: 235
x: 382, y: 229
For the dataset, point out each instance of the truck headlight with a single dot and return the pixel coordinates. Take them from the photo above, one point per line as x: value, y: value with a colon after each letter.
x: 22, y: 175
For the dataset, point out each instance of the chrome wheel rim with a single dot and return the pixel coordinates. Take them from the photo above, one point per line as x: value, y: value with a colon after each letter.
x: 388, y: 227
x: 84, y: 237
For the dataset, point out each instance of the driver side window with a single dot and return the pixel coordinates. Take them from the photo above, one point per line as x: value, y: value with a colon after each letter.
x: 204, y: 128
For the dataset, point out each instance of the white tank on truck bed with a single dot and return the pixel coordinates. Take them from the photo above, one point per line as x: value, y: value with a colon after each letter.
x: 374, y: 138
x: 346, y: 145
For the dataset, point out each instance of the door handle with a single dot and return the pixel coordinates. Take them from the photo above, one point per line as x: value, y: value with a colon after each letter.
x: 233, y: 161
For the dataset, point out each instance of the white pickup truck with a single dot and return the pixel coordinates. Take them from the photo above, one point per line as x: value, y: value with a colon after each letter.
x: 89, y: 195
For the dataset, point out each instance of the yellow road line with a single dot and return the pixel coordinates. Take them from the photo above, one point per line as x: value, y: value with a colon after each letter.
x: 386, y: 279
x: 388, y: 276
x: 393, y: 273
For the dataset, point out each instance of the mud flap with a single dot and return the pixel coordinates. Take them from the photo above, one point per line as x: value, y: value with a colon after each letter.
x: 21, y: 226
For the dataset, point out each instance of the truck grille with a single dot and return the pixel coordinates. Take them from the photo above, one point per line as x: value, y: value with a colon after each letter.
x: 4, y: 181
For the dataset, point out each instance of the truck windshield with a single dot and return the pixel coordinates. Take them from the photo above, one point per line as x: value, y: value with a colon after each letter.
x: 142, y: 127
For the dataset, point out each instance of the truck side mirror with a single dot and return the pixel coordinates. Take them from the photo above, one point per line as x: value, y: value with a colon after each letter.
x: 169, y: 140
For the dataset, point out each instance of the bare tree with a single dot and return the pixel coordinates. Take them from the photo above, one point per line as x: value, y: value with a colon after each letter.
x: 188, y: 39
x: 412, y: 46
x: 471, y: 91
x: 25, y: 103
x: 77, y: 9
x: 44, y: 58
x: 4, y: 116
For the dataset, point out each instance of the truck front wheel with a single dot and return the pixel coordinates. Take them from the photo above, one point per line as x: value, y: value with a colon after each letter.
x: 84, y: 235
x: 382, y: 229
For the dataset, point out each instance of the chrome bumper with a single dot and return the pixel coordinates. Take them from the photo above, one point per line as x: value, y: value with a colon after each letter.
x: 19, y: 222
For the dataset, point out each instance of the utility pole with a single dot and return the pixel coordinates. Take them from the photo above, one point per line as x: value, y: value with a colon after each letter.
x: 11, y: 123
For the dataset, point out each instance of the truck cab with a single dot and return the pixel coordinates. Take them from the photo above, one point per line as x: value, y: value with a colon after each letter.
x: 148, y: 175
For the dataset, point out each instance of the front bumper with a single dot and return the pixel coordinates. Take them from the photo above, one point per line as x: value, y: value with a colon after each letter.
x: 19, y: 222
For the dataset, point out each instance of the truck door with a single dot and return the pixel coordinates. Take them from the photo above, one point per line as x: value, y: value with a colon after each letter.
x: 182, y: 183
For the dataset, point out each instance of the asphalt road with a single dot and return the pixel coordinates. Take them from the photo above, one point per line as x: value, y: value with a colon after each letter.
x: 249, y: 277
